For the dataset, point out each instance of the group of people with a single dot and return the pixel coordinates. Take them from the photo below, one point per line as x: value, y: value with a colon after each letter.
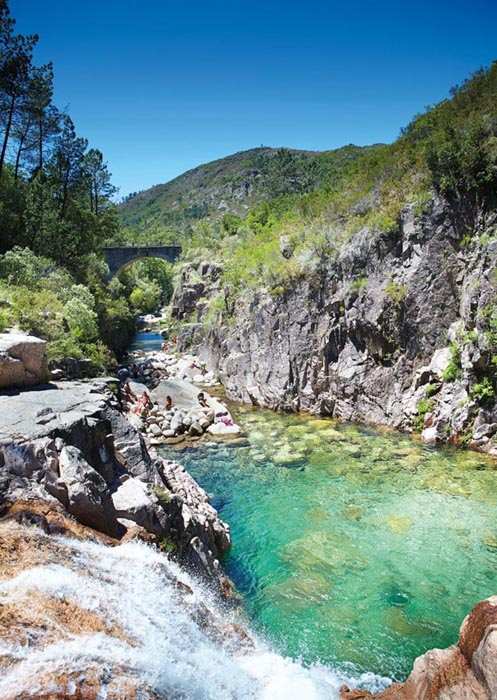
x: 141, y: 405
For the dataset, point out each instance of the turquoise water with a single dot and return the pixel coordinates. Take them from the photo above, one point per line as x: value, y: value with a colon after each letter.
x: 352, y: 545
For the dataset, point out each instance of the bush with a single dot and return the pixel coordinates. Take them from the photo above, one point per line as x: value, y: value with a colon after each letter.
x: 81, y: 319
x: 424, y: 406
x: 431, y: 390
x: 64, y: 347
x: 101, y: 357
x: 396, y: 293
x: 483, y: 390
x: 453, y: 370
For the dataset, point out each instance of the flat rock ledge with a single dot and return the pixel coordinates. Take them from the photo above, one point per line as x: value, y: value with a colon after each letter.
x: 465, y: 671
x: 70, y: 446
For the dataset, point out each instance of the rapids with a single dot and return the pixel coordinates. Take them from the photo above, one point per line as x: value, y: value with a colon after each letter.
x: 135, y: 625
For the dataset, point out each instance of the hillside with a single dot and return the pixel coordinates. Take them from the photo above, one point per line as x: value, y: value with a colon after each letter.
x: 374, y: 301
x: 232, y: 185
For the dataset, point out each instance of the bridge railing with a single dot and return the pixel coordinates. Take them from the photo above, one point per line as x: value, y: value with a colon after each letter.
x: 127, y: 244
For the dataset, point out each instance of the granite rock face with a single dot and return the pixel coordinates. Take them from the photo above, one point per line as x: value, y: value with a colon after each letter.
x: 23, y: 360
x: 70, y: 445
x: 365, y: 335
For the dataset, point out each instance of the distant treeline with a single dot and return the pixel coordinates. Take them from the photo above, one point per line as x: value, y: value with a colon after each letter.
x: 56, y: 210
x: 55, y: 190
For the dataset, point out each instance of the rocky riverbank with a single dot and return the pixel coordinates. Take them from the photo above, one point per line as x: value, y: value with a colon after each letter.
x: 396, y: 329
x: 465, y: 671
x: 69, y: 445
x: 168, y: 400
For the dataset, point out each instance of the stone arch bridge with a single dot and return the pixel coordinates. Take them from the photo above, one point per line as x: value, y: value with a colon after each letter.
x: 118, y: 257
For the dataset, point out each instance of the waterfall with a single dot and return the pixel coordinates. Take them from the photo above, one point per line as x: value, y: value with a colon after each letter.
x: 135, y: 619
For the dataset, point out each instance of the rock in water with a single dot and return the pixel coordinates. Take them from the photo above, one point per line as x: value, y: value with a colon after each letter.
x: 465, y: 671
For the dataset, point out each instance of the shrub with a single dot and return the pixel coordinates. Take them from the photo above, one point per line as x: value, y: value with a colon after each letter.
x: 483, y: 390
x: 396, y: 293
x: 358, y: 284
x: 424, y: 406
x: 81, y: 319
x: 453, y: 370
x: 64, y: 347
x: 431, y: 390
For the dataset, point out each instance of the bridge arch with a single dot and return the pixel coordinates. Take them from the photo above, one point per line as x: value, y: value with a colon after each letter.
x: 118, y: 257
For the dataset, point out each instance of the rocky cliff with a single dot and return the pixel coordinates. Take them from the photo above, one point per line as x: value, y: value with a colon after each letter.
x: 398, y: 328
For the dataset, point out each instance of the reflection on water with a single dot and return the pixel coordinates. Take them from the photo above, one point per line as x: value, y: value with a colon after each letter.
x: 352, y: 545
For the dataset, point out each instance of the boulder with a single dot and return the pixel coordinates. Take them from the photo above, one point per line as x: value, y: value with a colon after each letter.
x: 465, y: 671
x: 222, y: 429
x: 195, y: 429
x: 88, y: 497
x: 134, y: 500
x: 23, y: 360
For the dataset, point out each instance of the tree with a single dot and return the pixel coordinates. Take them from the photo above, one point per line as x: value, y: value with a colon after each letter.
x: 97, y: 176
x: 37, y: 122
x: 16, y: 53
x: 66, y: 167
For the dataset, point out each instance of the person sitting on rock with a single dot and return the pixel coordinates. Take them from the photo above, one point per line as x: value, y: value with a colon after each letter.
x: 129, y: 395
x: 208, y: 410
x: 223, y: 417
x: 144, y: 405
x: 169, y: 403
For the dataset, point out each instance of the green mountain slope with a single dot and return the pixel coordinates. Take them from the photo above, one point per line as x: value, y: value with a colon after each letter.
x: 232, y: 185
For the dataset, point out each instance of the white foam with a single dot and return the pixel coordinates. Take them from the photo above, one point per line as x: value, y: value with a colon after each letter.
x: 133, y: 586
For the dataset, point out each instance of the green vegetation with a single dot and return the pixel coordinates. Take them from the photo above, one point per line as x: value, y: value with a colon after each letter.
x: 241, y: 182
x: 46, y: 300
x: 483, y: 390
x: 453, y: 370
x: 396, y: 293
x: 55, y: 213
x: 431, y: 390
x: 358, y: 284
x: 424, y: 406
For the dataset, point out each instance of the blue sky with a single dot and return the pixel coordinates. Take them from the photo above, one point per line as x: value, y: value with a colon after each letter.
x: 160, y: 87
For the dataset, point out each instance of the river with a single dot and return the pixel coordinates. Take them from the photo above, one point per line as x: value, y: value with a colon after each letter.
x: 353, y: 546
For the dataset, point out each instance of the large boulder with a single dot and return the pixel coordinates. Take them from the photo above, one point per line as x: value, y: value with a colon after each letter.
x: 88, y: 497
x: 23, y: 360
x: 135, y: 500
